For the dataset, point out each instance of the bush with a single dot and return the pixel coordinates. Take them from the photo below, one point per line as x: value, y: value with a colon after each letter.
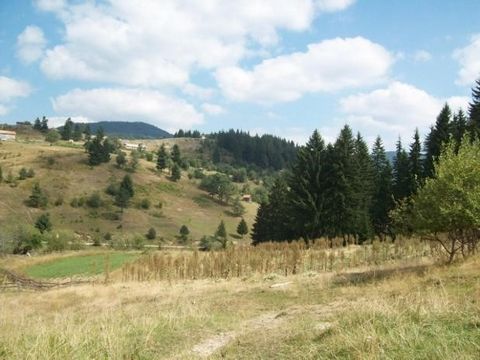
x: 26, y: 239
x: 38, y: 198
x: 94, y: 201
x: 43, y: 223
x: 151, y: 234
x: 145, y: 204
x: 22, y: 174
x: 112, y: 189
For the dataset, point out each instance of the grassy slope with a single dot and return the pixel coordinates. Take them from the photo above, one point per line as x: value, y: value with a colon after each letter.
x: 428, y: 314
x: 71, y: 177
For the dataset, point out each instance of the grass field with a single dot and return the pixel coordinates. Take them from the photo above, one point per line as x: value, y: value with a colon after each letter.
x: 69, y: 177
x: 404, y: 311
x: 81, y: 265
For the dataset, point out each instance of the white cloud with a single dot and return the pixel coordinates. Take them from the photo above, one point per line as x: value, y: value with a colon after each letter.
x: 56, y: 121
x: 110, y: 104
x: 469, y: 60
x: 395, y: 111
x: 154, y: 43
x: 212, y: 109
x: 326, y: 66
x: 333, y: 5
x: 198, y: 91
x: 30, y: 44
x: 11, y: 89
x: 422, y: 56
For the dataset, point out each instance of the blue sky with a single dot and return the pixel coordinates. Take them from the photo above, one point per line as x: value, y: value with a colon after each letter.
x: 274, y: 66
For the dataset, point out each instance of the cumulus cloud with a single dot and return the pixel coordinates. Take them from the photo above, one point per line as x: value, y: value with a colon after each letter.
x: 30, y: 44
x: 11, y: 89
x: 155, y: 43
x: 118, y: 104
x: 212, y: 109
x: 469, y: 60
x: 333, y: 5
x: 422, y: 56
x: 326, y: 66
x: 395, y: 111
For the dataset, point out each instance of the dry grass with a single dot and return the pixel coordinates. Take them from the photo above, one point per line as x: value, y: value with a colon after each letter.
x: 403, y: 316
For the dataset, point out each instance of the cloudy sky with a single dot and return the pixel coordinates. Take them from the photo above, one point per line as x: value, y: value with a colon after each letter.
x: 267, y: 66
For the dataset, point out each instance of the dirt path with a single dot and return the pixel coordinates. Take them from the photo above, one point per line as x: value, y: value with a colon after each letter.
x: 264, y: 322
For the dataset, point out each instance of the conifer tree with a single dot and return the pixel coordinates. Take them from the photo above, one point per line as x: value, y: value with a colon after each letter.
x: 125, y: 192
x: 415, y: 163
x: 221, y: 234
x: 307, y: 190
x: 459, y: 128
x: 176, y: 172
x: 38, y: 198
x: 363, y: 189
x: 67, y: 130
x: 401, y: 173
x: 98, y: 149
x: 474, y: 112
x: 439, y: 135
x: 43, y: 223
x: 176, y: 156
x: 44, y: 125
x: 77, y: 133
x: 382, y: 201
x: 37, y: 125
x: 242, y: 228
x: 237, y: 207
x: 162, y: 158
x: 87, y: 132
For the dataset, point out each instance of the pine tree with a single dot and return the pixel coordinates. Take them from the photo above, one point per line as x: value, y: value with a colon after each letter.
x: 415, y: 164
x: 37, y: 125
x: 221, y: 234
x: 176, y: 172
x: 401, y: 173
x: 162, y: 158
x: 67, y: 130
x: 127, y: 185
x: 242, y: 228
x: 77, y: 133
x: 474, y: 112
x: 43, y: 223
x: 44, y: 125
x: 363, y: 190
x: 439, y: 135
x: 98, y: 149
x: 38, y: 198
x: 121, y: 159
x: 382, y: 201
x: 459, y: 128
x: 176, y: 156
x: 307, y: 190
x: 184, y: 232
x: 237, y: 207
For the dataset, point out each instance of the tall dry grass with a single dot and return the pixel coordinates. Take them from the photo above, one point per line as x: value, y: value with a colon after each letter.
x: 279, y: 258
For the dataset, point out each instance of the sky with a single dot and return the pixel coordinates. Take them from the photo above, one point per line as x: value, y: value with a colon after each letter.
x: 284, y: 67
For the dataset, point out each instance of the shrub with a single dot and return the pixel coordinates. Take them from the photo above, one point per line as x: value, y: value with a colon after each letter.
x: 26, y: 239
x: 43, y: 223
x: 38, y: 198
x: 145, y: 204
x: 22, y: 174
x: 94, y: 201
x: 151, y: 234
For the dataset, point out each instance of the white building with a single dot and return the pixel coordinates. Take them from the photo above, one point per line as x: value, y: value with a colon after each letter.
x: 7, y: 135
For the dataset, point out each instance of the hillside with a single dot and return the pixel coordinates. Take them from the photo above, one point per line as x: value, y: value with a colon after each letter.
x: 63, y: 173
x: 131, y: 130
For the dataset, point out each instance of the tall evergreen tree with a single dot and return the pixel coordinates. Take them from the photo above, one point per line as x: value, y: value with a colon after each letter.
x: 67, y: 130
x: 242, y: 228
x: 401, y: 173
x: 363, y: 190
x: 382, y: 201
x: 176, y: 172
x: 162, y: 158
x: 77, y: 133
x: 273, y: 222
x: 176, y: 156
x: 307, y: 189
x: 44, y: 125
x: 415, y: 164
x: 439, y: 135
x: 98, y: 149
x: 37, y: 125
x: 474, y: 111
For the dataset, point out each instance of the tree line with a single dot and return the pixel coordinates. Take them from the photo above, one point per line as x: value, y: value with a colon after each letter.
x: 343, y: 190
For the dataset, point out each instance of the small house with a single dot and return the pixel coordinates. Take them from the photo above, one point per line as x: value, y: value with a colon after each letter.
x: 247, y: 198
x: 7, y: 135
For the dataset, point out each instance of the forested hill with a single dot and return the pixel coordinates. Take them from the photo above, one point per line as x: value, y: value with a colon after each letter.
x: 132, y: 130
x: 266, y: 151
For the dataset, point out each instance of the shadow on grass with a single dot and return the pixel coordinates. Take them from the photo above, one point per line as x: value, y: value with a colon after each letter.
x: 359, y: 278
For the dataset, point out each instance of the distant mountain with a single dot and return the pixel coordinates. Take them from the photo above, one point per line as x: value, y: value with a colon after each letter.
x: 130, y: 130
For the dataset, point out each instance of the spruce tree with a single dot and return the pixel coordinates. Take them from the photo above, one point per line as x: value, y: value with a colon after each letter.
x: 44, y: 125
x: 125, y: 192
x: 459, y: 128
x: 307, y: 190
x: 474, y: 111
x: 221, y: 234
x: 436, y: 139
x: 176, y: 156
x: 242, y: 228
x: 37, y: 125
x: 363, y: 189
x: 67, y: 130
x: 401, y: 173
x: 77, y: 133
x: 38, y: 198
x: 127, y: 185
x: 415, y: 164
x: 176, y: 172
x: 162, y: 158
x: 382, y: 200
x: 43, y: 223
